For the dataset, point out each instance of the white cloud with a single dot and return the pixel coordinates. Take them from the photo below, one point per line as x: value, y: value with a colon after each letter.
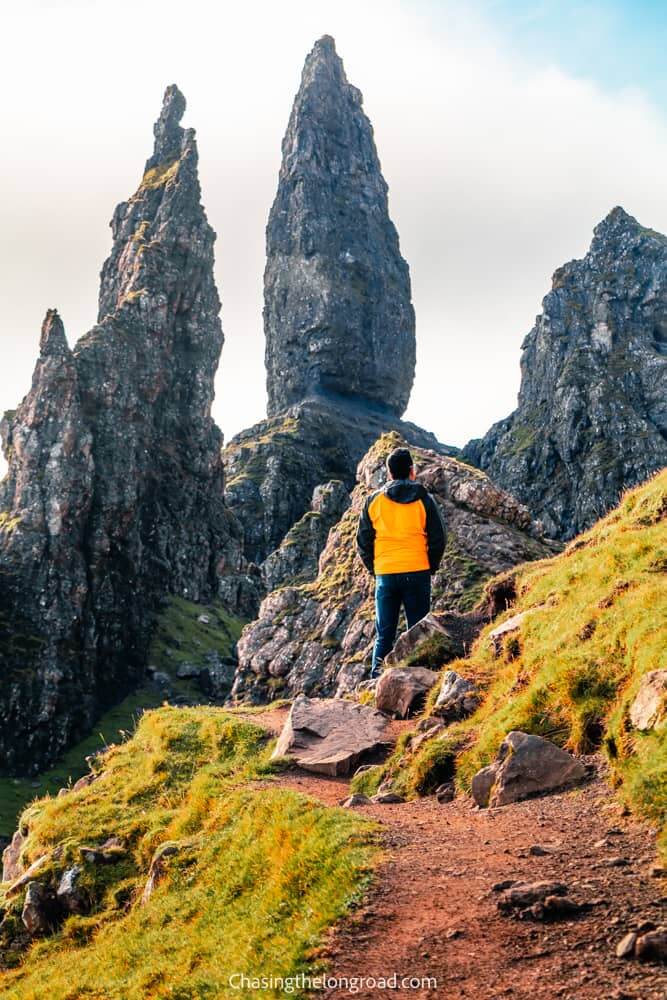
x: 497, y: 172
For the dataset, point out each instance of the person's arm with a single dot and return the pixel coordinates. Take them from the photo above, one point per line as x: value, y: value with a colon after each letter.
x: 366, y: 538
x: 436, y: 533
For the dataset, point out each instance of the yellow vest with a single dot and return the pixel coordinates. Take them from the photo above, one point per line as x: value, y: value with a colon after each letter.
x: 400, y: 535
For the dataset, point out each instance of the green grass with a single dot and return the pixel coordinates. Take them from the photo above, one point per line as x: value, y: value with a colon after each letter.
x: 260, y: 872
x: 16, y: 793
x: 181, y: 638
x: 575, y: 667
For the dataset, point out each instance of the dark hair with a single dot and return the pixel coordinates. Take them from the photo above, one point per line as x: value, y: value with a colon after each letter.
x: 399, y: 463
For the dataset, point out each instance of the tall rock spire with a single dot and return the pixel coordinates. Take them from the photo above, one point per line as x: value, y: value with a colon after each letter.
x: 114, y: 496
x: 591, y: 419
x: 338, y: 316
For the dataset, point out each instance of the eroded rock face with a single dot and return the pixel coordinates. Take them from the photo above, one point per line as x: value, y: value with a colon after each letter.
x: 591, y: 419
x: 338, y: 314
x: 114, y: 494
x: 304, y: 635
x: 296, y: 558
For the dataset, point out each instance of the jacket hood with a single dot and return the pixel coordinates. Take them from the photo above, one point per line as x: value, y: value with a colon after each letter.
x: 404, y: 490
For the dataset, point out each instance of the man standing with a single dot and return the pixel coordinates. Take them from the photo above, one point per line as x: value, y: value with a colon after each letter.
x: 401, y: 539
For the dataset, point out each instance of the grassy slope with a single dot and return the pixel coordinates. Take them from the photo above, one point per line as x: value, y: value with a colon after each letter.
x: 179, y: 638
x: 258, y: 877
x: 16, y: 793
x: 598, y: 623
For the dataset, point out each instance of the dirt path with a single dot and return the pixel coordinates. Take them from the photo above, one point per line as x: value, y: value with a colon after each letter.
x: 432, y: 913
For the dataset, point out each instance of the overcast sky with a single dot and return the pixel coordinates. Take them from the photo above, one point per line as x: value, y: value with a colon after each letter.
x: 506, y: 130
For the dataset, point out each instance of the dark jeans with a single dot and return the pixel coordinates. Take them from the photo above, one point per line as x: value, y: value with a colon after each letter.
x: 413, y: 591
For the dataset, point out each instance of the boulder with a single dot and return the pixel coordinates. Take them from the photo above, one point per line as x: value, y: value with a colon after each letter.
x: 40, y: 910
x: 25, y: 877
x: 482, y: 783
x: 84, y: 781
x: 353, y: 801
x: 330, y: 736
x: 71, y: 896
x: 444, y: 632
x: 458, y: 697
x: 626, y: 946
x: 11, y: 866
x: 445, y: 793
x: 507, y: 628
x: 402, y: 689
x: 526, y: 765
x: 649, y: 708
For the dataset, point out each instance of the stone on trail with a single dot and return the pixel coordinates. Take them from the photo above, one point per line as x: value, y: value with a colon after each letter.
x: 402, y: 689
x: 526, y: 765
x: 356, y: 800
x: 626, y: 946
x: 445, y: 793
x: 524, y: 894
x: 652, y: 947
x: 330, y: 736
x: 649, y: 709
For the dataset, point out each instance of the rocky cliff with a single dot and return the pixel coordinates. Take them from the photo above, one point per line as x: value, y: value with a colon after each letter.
x: 591, y: 418
x: 314, y: 637
x: 273, y: 467
x: 338, y: 315
x: 114, y: 494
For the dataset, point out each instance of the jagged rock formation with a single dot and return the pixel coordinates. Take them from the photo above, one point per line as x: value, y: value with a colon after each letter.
x: 273, y: 467
x: 305, y: 635
x: 114, y: 494
x: 338, y: 315
x: 339, y: 324
x: 591, y: 418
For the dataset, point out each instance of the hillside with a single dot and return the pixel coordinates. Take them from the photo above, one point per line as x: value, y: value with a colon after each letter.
x: 595, y: 622
x: 205, y: 874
